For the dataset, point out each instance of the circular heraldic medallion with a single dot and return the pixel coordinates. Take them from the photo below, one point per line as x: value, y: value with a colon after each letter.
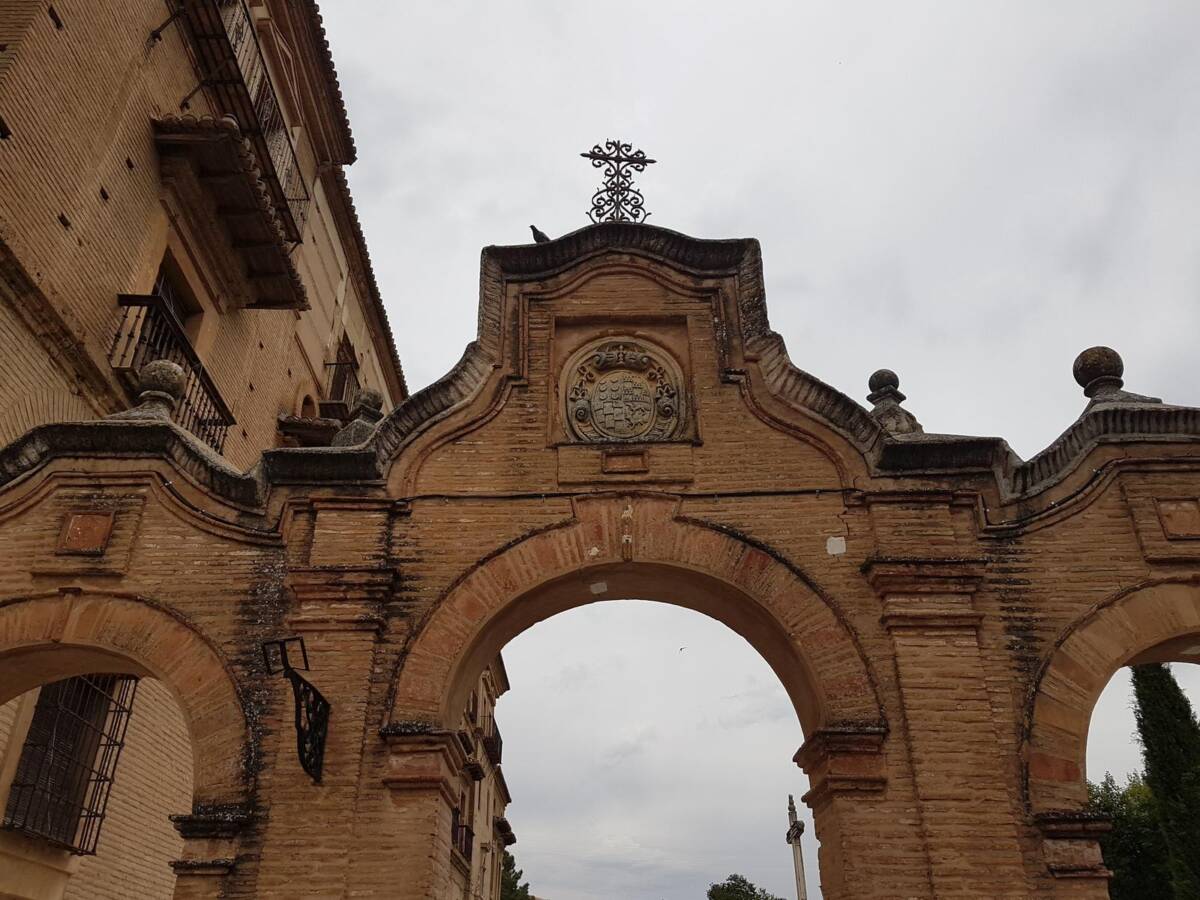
x: 623, y: 390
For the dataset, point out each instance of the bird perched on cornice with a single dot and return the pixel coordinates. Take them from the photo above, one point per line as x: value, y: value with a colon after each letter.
x: 539, y: 237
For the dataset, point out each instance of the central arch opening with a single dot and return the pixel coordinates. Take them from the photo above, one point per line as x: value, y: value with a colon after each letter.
x: 648, y: 751
x: 649, y: 742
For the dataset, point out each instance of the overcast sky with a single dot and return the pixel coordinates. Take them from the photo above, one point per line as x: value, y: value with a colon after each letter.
x: 967, y: 193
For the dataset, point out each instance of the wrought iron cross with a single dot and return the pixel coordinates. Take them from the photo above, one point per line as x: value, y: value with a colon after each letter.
x: 617, y: 200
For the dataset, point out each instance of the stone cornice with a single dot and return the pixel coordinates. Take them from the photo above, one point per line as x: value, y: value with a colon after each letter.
x: 907, y: 456
x: 136, y: 439
x: 1103, y: 424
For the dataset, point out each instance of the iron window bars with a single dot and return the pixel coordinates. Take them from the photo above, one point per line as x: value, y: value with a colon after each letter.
x: 312, y: 709
x: 65, y: 771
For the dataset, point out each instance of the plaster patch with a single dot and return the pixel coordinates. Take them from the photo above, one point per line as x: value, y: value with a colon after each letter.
x: 599, y: 587
x: 835, y: 546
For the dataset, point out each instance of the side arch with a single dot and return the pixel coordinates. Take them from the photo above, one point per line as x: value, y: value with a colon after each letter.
x: 638, y: 546
x: 55, y: 635
x: 1156, y: 622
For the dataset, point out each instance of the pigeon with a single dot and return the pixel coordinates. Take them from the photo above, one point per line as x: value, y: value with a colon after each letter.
x: 539, y: 237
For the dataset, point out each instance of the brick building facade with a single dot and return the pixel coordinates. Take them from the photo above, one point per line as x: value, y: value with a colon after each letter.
x: 942, y: 614
x: 171, y: 186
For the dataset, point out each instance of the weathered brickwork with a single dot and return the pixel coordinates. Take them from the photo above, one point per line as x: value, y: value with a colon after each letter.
x: 154, y: 780
x: 942, y: 614
x: 90, y: 207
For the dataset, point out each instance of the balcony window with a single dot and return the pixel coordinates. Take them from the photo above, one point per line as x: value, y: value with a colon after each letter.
x: 343, y: 382
x: 235, y: 70
x: 493, y: 743
x: 61, y: 786
x: 462, y: 838
x: 159, y: 326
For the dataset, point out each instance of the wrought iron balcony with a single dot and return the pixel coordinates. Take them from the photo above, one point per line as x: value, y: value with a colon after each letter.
x: 150, y: 330
x: 232, y: 66
x: 493, y: 743
x: 463, y: 839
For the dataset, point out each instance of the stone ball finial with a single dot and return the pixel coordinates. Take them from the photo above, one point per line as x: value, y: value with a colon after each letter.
x: 161, y: 376
x: 1098, y: 366
x: 887, y: 411
x: 883, y: 378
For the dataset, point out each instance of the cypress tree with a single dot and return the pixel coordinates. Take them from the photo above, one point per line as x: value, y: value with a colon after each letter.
x: 1170, y: 738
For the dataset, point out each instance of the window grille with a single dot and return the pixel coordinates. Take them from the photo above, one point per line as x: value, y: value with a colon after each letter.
x: 66, y: 767
x: 345, y: 374
x: 164, y: 287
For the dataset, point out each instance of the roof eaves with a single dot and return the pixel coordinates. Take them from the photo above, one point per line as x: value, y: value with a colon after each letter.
x: 333, y: 85
x: 368, y: 271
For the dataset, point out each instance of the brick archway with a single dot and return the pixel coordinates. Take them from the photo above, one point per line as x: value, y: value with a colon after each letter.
x: 46, y: 637
x: 639, y: 546
x: 1147, y: 623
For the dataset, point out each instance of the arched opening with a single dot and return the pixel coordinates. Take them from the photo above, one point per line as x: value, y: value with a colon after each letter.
x: 648, y: 751
x: 668, y: 584
x: 1081, y: 720
x: 639, y: 547
x: 114, y: 715
x: 91, y: 768
x: 1125, y: 766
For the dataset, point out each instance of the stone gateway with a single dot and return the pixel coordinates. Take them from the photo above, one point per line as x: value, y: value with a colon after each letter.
x: 942, y: 614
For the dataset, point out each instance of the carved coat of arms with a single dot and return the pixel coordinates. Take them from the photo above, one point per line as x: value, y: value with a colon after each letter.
x: 623, y: 390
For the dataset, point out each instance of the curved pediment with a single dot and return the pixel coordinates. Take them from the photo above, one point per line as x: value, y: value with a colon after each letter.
x: 691, y: 312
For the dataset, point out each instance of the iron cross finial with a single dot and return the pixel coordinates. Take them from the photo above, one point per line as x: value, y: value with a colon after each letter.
x: 617, y: 200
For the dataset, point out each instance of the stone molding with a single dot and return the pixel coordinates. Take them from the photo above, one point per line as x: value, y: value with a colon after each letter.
x: 339, y: 598
x: 907, y: 454
x: 934, y: 593
x: 423, y: 759
x: 845, y: 758
x: 1070, y: 843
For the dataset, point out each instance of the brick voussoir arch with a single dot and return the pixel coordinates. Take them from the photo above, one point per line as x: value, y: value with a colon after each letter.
x: 1125, y: 628
x: 60, y: 634
x: 638, y: 545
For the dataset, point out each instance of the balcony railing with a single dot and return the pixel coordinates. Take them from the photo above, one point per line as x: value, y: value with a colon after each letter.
x: 463, y: 839
x: 150, y: 330
x: 493, y: 743
x: 232, y: 66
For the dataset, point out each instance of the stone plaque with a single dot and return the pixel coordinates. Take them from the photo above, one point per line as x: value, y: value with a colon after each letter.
x: 1179, y: 518
x: 85, y: 533
x: 623, y: 390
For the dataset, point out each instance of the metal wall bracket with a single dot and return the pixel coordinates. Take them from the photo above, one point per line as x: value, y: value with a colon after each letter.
x: 312, y: 709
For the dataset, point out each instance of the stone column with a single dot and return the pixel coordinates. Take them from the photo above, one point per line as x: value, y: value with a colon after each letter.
x: 965, y: 791
x: 847, y: 773
x: 338, y: 612
x: 423, y: 778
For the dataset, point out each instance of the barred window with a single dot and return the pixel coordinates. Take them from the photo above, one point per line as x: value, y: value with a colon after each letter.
x: 344, y: 387
x: 67, y: 763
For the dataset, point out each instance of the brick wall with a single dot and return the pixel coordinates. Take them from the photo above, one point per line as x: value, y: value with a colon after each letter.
x: 153, y: 780
x: 83, y: 218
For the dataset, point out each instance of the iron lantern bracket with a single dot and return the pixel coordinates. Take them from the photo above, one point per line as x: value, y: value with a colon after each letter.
x: 312, y: 709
